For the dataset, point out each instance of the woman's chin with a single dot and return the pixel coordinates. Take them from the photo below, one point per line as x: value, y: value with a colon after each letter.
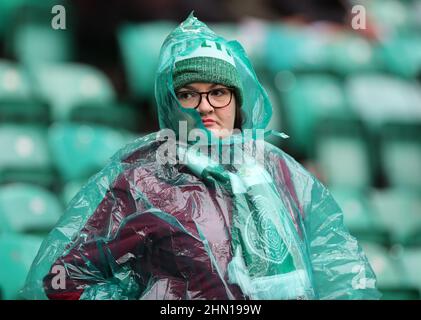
x: 220, y: 133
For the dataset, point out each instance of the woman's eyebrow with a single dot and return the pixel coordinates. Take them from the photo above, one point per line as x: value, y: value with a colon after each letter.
x: 212, y: 86
x: 188, y: 87
x: 216, y: 85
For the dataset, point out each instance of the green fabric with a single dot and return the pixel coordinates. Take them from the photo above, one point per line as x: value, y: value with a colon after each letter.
x: 207, y: 69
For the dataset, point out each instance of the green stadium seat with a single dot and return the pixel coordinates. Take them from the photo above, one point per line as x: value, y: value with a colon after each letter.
x: 411, y: 260
x: 290, y: 48
x: 393, y: 15
x: 405, y: 293
x: 17, y: 104
x: 341, y: 151
x: 140, y: 45
x: 400, y: 154
x: 306, y: 100
x: 16, y: 255
x: 415, y: 14
x: 13, y: 10
x: 26, y: 208
x: 399, y: 211
x: 306, y: 49
x: 14, y: 82
x: 71, y: 85
x: 348, y: 53
x: 38, y: 43
x: 387, y: 272
x: 79, y: 151
x: 116, y: 115
x: 70, y: 189
x: 380, y: 98
x: 358, y: 216
x: 391, y: 277
x: 25, y: 156
x: 402, y: 54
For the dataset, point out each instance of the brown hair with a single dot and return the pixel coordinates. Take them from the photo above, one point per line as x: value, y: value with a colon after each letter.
x: 238, y: 121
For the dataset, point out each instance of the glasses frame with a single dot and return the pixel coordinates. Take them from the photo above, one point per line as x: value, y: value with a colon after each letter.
x: 207, y: 97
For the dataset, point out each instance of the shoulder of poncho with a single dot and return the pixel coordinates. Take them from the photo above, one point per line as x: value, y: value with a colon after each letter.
x: 137, y: 149
x: 295, y: 168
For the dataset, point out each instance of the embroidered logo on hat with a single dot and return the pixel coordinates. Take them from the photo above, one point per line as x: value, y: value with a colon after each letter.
x: 210, y: 49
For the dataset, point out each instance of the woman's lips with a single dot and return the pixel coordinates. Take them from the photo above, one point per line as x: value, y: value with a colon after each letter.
x: 208, y: 122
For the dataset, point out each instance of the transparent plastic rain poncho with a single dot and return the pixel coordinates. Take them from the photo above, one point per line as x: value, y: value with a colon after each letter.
x: 193, y: 226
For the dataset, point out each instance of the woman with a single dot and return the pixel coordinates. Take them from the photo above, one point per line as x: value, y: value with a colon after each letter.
x: 203, y: 209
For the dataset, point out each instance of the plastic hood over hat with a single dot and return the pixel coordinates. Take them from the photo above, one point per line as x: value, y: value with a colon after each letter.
x: 187, y: 40
x: 196, y: 227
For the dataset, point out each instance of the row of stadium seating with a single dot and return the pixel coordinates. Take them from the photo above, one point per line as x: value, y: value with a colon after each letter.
x: 378, y: 109
x: 351, y: 106
x: 61, y: 92
x: 75, y: 150
x: 61, y: 153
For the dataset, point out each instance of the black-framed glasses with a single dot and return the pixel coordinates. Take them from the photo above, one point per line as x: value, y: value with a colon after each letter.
x: 217, y: 98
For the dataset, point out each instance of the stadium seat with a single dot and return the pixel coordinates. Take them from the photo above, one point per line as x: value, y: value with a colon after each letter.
x: 79, y: 151
x: 70, y: 85
x: 295, y: 49
x: 398, y: 210
x: 16, y: 255
x: 380, y: 98
x: 17, y: 103
x: 308, y: 99
x: 14, y: 83
x: 391, y: 14
x: 391, y: 277
x: 411, y: 260
x: 70, y: 189
x: 26, y: 208
x: 400, y: 154
x: 306, y: 49
x: 342, y: 153
x: 402, y: 54
x: 24, y: 155
x: 13, y: 10
x: 36, y: 43
x: 349, y: 54
x: 358, y: 215
x: 140, y: 45
x: 116, y: 115
x: 387, y: 272
x: 415, y: 14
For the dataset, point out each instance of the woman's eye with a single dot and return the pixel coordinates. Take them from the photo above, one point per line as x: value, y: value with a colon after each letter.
x: 185, y: 95
x: 219, y: 92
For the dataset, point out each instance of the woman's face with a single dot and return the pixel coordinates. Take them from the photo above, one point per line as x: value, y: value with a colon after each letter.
x: 218, y: 120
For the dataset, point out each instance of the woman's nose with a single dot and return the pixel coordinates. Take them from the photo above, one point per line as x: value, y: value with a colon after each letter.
x: 204, y: 106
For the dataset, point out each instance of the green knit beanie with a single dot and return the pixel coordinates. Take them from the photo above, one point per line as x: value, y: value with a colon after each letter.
x: 211, y: 62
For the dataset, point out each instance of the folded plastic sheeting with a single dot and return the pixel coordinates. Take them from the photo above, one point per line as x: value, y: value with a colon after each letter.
x: 198, y: 227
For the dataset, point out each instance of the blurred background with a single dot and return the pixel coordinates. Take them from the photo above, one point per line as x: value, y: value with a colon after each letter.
x: 349, y: 98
